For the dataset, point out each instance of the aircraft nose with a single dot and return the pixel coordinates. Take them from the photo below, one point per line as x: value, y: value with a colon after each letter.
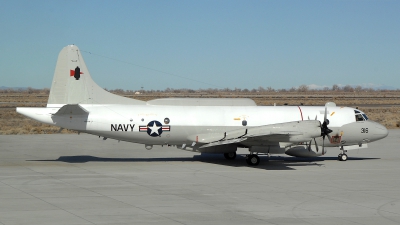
x: 380, y: 131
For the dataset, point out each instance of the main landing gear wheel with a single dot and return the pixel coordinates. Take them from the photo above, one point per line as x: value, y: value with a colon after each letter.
x: 252, y: 160
x: 230, y: 155
x: 342, y: 157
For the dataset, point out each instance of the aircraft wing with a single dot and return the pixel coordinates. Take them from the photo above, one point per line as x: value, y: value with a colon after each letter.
x: 294, y: 132
x: 224, y: 142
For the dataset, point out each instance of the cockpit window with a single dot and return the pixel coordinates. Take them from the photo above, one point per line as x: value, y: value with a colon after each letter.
x: 359, y: 117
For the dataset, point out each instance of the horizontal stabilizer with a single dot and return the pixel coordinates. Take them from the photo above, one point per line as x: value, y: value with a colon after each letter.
x: 71, y: 110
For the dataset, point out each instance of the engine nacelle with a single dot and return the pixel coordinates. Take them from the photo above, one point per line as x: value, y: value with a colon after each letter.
x: 271, y: 149
x: 305, y: 151
x: 219, y: 149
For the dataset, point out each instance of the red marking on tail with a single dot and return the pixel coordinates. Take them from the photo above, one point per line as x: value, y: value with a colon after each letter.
x: 72, y: 73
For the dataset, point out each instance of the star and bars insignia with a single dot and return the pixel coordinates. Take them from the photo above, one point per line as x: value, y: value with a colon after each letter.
x: 154, y: 128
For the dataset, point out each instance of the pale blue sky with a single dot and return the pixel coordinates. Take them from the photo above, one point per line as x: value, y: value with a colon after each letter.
x: 244, y: 44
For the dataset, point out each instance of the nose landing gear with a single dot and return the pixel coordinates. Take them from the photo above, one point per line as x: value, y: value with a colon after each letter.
x: 342, y: 156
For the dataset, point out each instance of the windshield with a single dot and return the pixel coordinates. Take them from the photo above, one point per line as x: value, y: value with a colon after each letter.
x: 360, y: 116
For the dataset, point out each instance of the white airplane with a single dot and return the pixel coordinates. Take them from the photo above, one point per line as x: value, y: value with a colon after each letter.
x: 219, y: 125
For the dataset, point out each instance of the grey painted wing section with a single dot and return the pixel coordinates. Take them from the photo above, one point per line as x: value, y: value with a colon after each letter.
x: 297, y: 131
x: 226, y: 142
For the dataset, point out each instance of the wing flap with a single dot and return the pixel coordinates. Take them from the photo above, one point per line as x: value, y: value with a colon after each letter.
x: 225, y: 142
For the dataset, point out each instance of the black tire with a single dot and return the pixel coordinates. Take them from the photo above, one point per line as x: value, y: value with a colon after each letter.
x: 339, y: 157
x: 248, y: 159
x: 343, y: 157
x: 230, y: 155
x: 253, y: 160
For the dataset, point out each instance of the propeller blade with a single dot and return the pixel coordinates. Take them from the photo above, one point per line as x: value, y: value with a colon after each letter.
x: 309, y: 146
x: 325, y: 130
x: 316, y: 146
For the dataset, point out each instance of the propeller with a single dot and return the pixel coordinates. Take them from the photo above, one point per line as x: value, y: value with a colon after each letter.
x: 325, y: 131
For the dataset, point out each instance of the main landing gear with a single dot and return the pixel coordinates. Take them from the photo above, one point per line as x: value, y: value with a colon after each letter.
x: 342, y: 156
x: 252, y: 160
x: 230, y: 155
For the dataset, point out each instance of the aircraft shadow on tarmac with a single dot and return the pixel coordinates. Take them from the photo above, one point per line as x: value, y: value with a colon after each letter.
x: 274, y: 163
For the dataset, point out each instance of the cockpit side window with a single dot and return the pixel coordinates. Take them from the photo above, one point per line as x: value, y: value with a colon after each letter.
x: 359, y: 117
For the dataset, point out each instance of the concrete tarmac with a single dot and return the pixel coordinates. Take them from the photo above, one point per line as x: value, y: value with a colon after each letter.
x: 81, y: 179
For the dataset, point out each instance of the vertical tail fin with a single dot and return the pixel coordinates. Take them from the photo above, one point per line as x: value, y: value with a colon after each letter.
x: 72, y: 83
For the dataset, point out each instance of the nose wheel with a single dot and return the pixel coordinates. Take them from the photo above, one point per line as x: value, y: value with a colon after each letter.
x: 252, y: 160
x: 342, y: 157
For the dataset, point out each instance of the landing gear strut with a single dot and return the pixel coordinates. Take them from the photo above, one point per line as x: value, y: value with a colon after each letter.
x: 252, y: 160
x: 230, y: 155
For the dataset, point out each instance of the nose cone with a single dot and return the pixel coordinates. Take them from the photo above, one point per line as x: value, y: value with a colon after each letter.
x: 380, y: 131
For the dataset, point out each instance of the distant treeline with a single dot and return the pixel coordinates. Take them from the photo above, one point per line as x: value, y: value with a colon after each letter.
x: 28, y: 90
x: 300, y: 89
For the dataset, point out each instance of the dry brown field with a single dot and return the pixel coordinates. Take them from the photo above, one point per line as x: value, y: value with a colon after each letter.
x: 380, y: 106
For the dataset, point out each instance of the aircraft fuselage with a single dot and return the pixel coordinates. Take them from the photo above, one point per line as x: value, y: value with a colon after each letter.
x: 174, y: 125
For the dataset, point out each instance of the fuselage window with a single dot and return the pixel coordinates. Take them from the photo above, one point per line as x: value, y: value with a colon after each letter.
x: 365, y: 116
